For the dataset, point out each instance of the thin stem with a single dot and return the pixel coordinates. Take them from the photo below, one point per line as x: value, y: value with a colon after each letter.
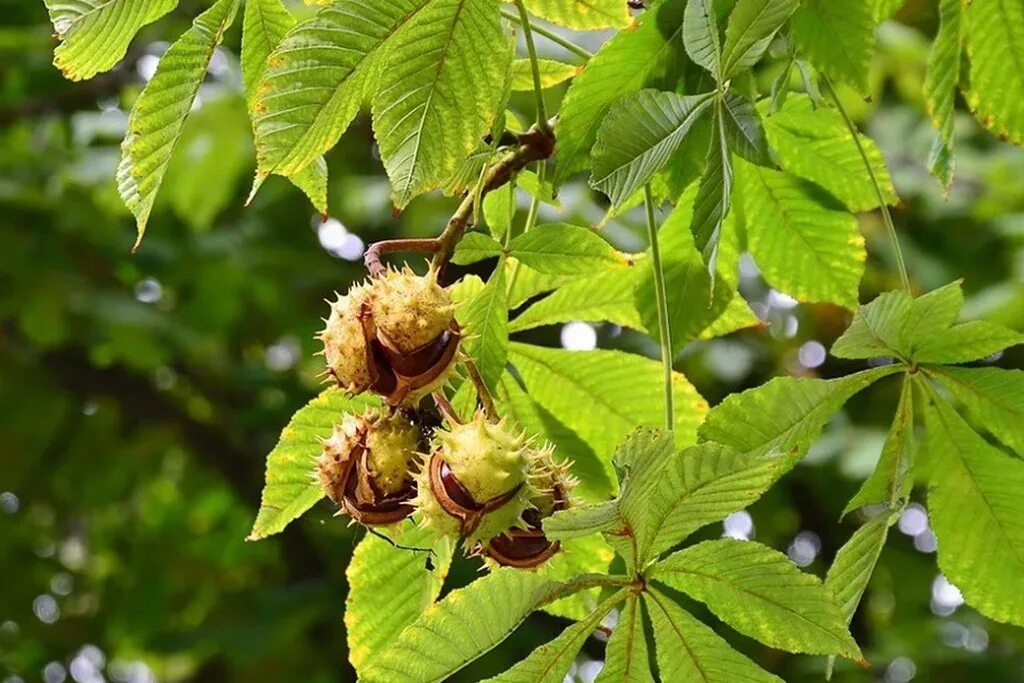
x: 661, y: 294
x: 883, y: 206
x: 531, y: 220
x: 482, y: 392
x: 550, y: 35
x: 531, y: 50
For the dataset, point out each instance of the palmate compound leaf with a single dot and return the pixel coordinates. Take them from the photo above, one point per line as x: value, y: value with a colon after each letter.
x: 265, y: 24
x: 687, y: 650
x: 751, y: 27
x: 814, y: 143
x: 467, y: 623
x: 437, y: 94
x: 994, y: 398
x: 629, y: 61
x: 638, y: 136
x: 626, y: 658
x: 837, y: 37
x: 783, y: 416
x: 564, y: 249
x: 291, y: 487
x: 583, y: 15
x: 995, y: 46
x: 974, y: 501
x: 620, y: 392
x: 761, y: 593
x: 940, y: 85
x: 389, y: 587
x: 804, y: 244
x: 95, y: 34
x: 157, y: 119
x: 550, y: 662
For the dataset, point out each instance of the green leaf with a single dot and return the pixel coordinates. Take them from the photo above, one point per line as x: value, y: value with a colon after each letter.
x: 485, y: 327
x: 499, y: 207
x: 974, y: 500
x: 994, y: 398
x: 966, y: 342
x: 317, y: 78
x: 892, y: 479
x: 475, y: 246
x: 802, y: 246
x: 751, y: 27
x: 703, y: 484
x: 626, y: 658
x: 265, y: 25
x: 700, y: 35
x: 687, y: 650
x: 620, y: 391
x: 815, y: 144
x: 877, y: 329
x: 157, y: 119
x: 583, y: 520
x: 95, y: 34
x: 551, y: 73
x: 629, y: 61
x: 379, y: 569
x: 785, y: 415
x: 714, y: 195
x: 550, y: 662
x: 291, y: 487
x: 638, y: 136
x: 761, y: 593
x: 855, y: 562
x: 473, y: 620
x: 590, y: 555
x: 837, y: 37
x: 564, y: 249
x: 583, y: 15
x: 940, y: 86
x: 605, y: 297
x: 594, y: 477
x: 436, y: 95
x: 995, y: 45
x: 530, y: 283
x: 743, y: 129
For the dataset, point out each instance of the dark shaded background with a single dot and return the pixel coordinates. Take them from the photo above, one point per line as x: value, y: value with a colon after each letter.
x: 140, y: 394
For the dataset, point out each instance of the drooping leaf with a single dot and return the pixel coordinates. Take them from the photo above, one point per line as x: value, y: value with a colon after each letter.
x: 564, y: 249
x: 994, y: 398
x: 437, y: 96
x: 626, y: 658
x: 159, y: 114
x: 995, y: 45
x: 855, y: 563
x: 700, y: 35
x: 837, y: 37
x: 714, y: 195
x: 550, y: 662
x: 814, y: 143
x: 291, y: 486
x: 783, y: 416
x: 687, y: 650
x: 620, y: 391
x: 629, y: 61
x: 551, y: 73
x: 473, y: 620
x: 761, y: 593
x: 484, y: 319
x: 95, y: 34
x: 378, y: 569
x: 638, y: 136
x: 605, y: 297
x: 475, y: 246
x: 752, y: 25
x: 803, y: 246
x: 977, y: 513
x: 583, y: 15
x: 940, y: 85
x: 743, y: 130
x: 892, y: 479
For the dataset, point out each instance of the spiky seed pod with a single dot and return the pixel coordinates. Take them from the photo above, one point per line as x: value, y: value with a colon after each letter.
x: 344, y: 341
x: 410, y: 310
x: 368, y: 466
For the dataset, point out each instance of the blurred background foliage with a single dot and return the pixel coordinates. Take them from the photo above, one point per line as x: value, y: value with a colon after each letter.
x: 140, y: 394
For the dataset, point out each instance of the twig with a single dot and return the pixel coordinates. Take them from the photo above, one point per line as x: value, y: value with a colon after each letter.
x: 372, y: 257
x: 482, y: 391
